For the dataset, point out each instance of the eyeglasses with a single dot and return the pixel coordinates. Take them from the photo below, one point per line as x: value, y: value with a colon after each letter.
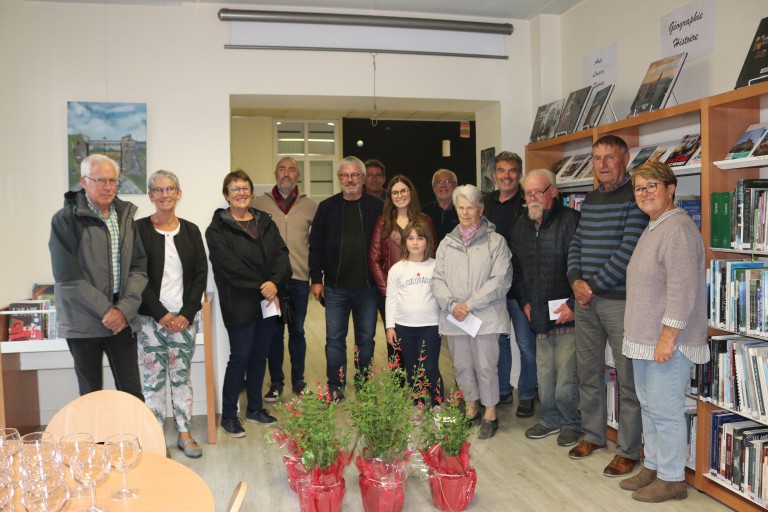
x: 400, y: 193
x: 168, y: 190
x: 533, y: 194
x: 349, y: 176
x: 650, y: 188
x: 237, y: 190
x: 443, y: 182
x: 103, y: 181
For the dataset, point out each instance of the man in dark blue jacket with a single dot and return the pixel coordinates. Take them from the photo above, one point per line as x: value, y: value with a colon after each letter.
x: 339, y: 273
x: 540, y: 245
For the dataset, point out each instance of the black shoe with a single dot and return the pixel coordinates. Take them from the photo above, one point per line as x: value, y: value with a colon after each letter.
x: 474, y: 420
x: 337, y: 394
x: 299, y: 387
x: 233, y: 427
x: 275, y: 390
x: 262, y: 417
x: 507, y: 398
x: 525, y: 408
x: 488, y: 428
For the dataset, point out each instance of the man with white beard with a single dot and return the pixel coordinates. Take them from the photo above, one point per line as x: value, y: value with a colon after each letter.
x: 540, y: 244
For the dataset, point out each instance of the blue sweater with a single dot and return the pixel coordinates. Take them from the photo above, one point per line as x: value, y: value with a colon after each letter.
x: 610, y: 226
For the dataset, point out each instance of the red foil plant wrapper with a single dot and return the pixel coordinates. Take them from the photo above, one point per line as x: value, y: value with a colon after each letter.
x: 382, y: 484
x: 451, y: 478
x: 292, y: 459
x: 322, y: 490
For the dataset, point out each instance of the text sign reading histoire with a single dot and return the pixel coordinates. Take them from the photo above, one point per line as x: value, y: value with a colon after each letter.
x: 689, y: 29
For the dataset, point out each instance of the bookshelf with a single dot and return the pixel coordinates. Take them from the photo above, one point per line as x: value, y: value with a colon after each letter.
x: 20, y: 361
x: 721, y: 119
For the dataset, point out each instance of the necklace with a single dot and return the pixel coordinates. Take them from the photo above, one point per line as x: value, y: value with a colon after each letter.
x: 171, y: 224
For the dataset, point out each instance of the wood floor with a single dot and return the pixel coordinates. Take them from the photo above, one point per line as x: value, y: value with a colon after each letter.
x: 514, y: 473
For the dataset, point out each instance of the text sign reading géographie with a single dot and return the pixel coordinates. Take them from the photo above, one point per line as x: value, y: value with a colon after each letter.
x: 689, y: 29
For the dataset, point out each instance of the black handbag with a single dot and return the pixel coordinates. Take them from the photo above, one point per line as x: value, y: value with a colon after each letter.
x: 286, y: 310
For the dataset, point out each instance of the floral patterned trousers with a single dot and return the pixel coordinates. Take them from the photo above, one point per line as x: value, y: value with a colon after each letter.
x: 166, y: 356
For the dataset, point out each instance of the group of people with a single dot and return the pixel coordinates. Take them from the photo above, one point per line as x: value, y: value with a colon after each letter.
x: 626, y: 270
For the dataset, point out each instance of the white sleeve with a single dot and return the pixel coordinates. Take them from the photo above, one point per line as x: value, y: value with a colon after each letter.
x: 390, y: 306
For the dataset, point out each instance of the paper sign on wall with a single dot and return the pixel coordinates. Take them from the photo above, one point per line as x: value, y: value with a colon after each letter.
x: 689, y: 29
x: 599, y: 68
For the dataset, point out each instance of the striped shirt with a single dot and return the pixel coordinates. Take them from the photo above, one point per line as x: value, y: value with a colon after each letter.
x: 610, y: 226
x: 113, y: 227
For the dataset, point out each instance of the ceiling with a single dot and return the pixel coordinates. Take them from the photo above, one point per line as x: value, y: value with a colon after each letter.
x: 510, y: 9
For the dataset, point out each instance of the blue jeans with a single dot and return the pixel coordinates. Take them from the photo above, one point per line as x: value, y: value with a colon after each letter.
x: 339, y: 302
x: 298, y: 293
x: 248, y: 348
x: 526, y: 343
x: 661, y: 390
x: 421, y: 341
x: 558, y: 385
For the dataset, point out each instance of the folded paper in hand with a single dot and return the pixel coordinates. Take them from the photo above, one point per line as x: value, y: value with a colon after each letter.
x: 553, y: 305
x: 470, y: 325
x: 269, y: 309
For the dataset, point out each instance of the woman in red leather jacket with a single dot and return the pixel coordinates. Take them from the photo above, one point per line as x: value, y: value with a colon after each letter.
x: 401, y: 206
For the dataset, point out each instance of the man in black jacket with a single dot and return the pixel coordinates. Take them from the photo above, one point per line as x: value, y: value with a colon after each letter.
x: 338, y: 269
x: 503, y: 206
x: 540, y: 284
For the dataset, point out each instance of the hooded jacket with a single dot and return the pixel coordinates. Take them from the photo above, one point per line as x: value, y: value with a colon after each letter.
x: 82, y: 267
x: 479, y: 274
x: 241, y: 264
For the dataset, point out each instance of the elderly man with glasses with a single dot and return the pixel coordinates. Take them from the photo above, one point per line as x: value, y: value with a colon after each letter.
x: 100, y: 271
x: 339, y: 244
x: 441, y: 211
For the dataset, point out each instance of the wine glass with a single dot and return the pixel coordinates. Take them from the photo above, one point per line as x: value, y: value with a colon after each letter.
x: 89, y: 467
x: 6, y: 482
x: 70, y: 445
x: 124, y: 450
x: 10, y: 440
x: 42, y: 481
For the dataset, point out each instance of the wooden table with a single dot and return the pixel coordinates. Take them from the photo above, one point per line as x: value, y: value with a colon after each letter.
x: 164, y: 485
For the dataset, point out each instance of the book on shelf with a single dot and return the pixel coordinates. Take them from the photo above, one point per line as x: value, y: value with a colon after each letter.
x: 576, y: 163
x: 43, y: 292
x: 574, y: 200
x: 641, y: 157
x: 550, y: 119
x: 612, y: 396
x: 682, y: 153
x: 696, y: 158
x: 755, y: 67
x: 597, y: 105
x: 587, y: 171
x: 691, y: 421
x: 541, y: 113
x: 748, y: 141
x: 761, y: 150
x: 26, y: 322
x: 657, y: 85
x: 748, y: 219
x: 558, y: 166
x: 575, y: 104
x: 720, y: 219
x: 692, y: 206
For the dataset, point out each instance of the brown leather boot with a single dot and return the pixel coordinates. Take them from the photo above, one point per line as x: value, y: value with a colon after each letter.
x: 659, y: 490
x: 640, y: 480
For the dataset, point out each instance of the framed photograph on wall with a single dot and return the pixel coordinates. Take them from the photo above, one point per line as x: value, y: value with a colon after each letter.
x: 486, y: 173
x: 118, y: 130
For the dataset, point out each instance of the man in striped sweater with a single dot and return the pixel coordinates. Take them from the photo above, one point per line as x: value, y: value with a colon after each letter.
x: 610, y: 226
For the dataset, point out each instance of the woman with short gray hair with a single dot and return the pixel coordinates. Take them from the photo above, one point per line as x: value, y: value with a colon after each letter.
x: 471, y: 278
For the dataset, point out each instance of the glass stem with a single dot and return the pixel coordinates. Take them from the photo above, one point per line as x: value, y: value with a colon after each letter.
x: 125, y: 480
x: 92, y: 492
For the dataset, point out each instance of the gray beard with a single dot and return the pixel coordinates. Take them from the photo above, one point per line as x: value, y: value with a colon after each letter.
x: 535, y: 213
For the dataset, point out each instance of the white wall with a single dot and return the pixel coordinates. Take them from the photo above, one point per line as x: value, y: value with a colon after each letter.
x: 594, y: 24
x: 173, y: 58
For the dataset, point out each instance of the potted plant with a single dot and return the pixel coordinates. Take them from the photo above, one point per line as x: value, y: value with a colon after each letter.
x: 381, y: 414
x: 445, y: 451
x: 317, y: 450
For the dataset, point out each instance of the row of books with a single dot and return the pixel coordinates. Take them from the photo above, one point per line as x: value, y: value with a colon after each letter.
x: 574, y: 200
x: 752, y: 143
x: 738, y: 455
x: 691, y: 413
x: 31, y: 320
x: 581, y: 110
x: 736, y: 290
x: 612, y: 398
x: 738, y: 218
x: 575, y: 167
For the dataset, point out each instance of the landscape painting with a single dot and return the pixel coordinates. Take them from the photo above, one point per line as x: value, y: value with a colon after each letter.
x: 118, y: 130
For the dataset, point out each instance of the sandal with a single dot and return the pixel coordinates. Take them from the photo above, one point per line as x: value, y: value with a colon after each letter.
x: 193, y: 452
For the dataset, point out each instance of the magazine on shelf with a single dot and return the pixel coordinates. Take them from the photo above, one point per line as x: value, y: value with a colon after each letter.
x: 597, y: 106
x: 537, y: 122
x: 558, y: 166
x: 587, y: 171
x: 657, y: 85
x: 749, y: 141
x: 23, y: 326
x: 696, y: 158
x: 761, y: 149
x: 683, y: 153
x: 570, y: 171
x: 573, y: 111
x: 755, y: 68
x: 551, y: 117
x: 642, y: 156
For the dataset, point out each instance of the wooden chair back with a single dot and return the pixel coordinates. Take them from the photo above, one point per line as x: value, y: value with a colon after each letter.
x: 238, y: 496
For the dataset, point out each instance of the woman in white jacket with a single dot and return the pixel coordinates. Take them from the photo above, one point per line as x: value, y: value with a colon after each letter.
x: 471, y: 278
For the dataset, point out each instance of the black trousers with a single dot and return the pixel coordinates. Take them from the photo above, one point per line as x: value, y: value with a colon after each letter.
x: 122, y: 355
